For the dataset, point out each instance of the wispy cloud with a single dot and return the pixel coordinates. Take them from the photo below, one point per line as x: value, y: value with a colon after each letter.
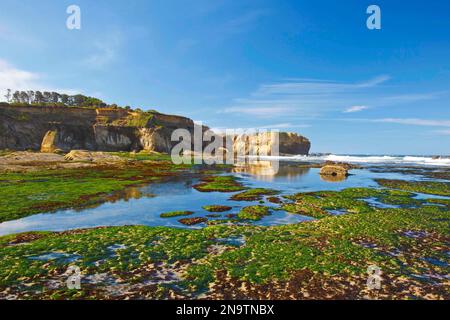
x: 106, y: 51
x: 311, y: 87
x: 355, y: 109
x: 411, y: 97
x: 244, y: 21
x: 314, y: 97
x: 262, y: 112
x: 14, y: 78
x: 10, y: 35
x: 286, y: 125
x: 416, y: 122
x: 264, y: 127
x: 375, y: 81
x: 304, y: 97
x: 443, y: 132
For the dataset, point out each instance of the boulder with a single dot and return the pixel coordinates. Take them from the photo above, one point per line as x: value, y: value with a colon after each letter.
x: 88, y: 156
x: 334, y: 170
x: 345, y: 165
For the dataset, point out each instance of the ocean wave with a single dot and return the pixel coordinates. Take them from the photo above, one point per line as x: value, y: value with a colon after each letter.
x: 406, y: 160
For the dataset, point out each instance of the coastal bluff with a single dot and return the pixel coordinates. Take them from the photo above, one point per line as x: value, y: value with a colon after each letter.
x: 61, y: 129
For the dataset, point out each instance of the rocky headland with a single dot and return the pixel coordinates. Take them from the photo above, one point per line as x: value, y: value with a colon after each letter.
x: 62, y: 129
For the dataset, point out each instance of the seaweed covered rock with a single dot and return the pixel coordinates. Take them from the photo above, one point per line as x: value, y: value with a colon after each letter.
x: 334, y: 171
x: 192, y: 221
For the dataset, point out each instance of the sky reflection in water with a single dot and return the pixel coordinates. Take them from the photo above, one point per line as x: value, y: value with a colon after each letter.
x: 143, y: 206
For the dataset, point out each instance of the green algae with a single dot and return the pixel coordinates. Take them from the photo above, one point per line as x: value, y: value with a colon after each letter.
x: 333, y: 246
x: 428, y: 187
x: 352, y: 200
x: 253, y: 212
x: 403, y: 242
x: 217, y: 208
x: 175, y: 214
x: 219, y: 184
x: 27, y: 193
x: 221, y: 221
x: 441, y: 202
x: 192, y: 221
x: 253, y: 194
x: 144, y: 156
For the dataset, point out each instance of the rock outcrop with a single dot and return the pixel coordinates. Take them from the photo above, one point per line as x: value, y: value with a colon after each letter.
x: 50, y: 129
x: 50, y: 142
x: 334, y: 170
x: 293, y: 143
x: 88, y: 156
x: 62, y: 129
x: 266, y: 144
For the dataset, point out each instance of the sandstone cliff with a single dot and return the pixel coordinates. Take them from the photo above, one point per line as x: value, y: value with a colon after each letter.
x: 266, y: 144
x: 53, y: 129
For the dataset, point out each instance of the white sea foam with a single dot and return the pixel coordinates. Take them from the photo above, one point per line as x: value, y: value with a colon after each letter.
x: 404, y: 160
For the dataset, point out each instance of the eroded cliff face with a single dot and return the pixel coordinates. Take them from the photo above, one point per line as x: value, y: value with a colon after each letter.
x: 271, y: 144
x: 53, y: 129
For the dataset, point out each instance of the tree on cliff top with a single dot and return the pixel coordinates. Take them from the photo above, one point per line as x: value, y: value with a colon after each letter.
x: 53, y: 99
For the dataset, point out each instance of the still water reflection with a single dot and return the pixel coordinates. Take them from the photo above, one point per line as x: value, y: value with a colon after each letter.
x: 143, y: 206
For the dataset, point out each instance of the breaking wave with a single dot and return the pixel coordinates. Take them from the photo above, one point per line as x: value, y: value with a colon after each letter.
x: 404, y: 160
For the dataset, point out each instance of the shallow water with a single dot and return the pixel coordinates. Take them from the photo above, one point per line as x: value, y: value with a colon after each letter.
x: 143, y: 206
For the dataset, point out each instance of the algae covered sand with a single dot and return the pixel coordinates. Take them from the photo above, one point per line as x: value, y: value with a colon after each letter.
x: 429, y: 187
x: 253, y: 194
x: 219, y: 184
x: 230, y: 256
x: 327, y: 258
x: 176, y: 214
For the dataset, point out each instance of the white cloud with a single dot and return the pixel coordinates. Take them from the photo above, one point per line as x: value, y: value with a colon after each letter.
x: 11, y: 77
x: 222, y: 130
x: 314, y: 97
x: 355, y: 109
x: 375, y: 81
x: 303, y: 97
x: 286, y: 125
x: 262, y: 112
x: 14, y: 78
x: 310, y: 87
x: 416, y: 122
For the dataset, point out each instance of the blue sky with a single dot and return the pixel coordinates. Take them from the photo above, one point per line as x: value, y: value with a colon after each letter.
x: 306, y: 66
